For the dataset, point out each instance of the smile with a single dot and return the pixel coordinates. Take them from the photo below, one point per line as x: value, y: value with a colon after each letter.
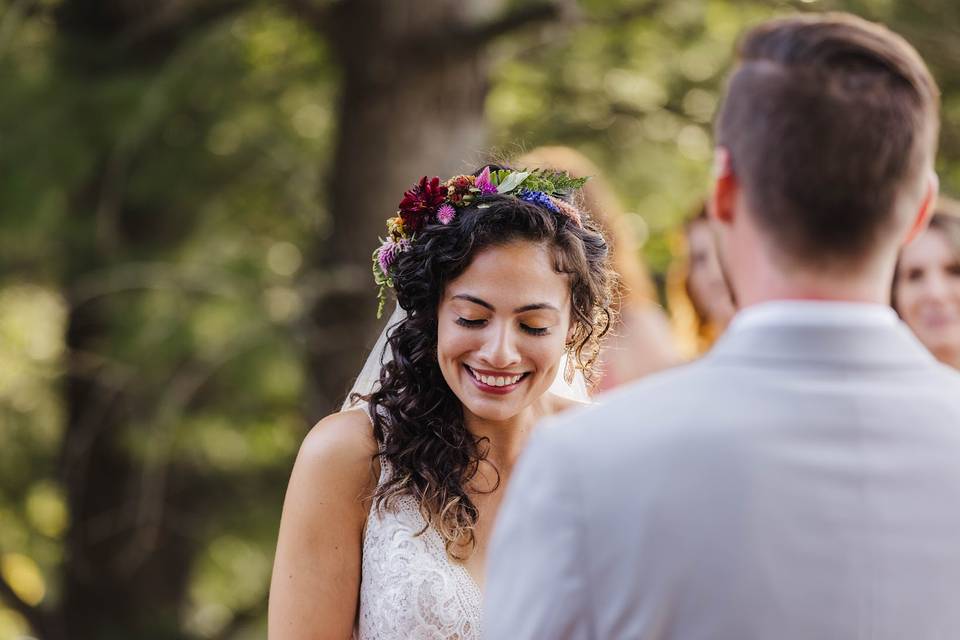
x: 495, y: 382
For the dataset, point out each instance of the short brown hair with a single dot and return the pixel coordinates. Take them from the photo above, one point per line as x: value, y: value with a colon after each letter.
x: 829, y: 120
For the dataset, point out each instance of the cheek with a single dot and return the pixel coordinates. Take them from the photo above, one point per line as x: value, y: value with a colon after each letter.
x: 907, y: 299
x: 452, y: 343
x: 546, y: 353
x: 698, y: 278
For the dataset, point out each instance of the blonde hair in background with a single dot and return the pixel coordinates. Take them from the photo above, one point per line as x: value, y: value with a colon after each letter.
x: 946, y: 218
x: 693, y: 333
x: 634, y: 285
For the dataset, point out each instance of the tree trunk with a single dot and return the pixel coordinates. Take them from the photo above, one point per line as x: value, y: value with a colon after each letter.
x: 126, y: 569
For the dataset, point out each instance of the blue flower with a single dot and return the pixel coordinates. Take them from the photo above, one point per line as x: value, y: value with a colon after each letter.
x: 538, y: 198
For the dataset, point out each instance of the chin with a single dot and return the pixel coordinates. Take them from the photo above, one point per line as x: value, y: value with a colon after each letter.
x: 493, y: 408
x: 492, y: 414
x: 946, y: 352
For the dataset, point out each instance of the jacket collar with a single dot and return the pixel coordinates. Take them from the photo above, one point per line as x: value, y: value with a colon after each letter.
x: 852, y: 344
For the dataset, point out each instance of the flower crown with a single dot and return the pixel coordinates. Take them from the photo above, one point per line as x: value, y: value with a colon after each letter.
x: 431, y: 201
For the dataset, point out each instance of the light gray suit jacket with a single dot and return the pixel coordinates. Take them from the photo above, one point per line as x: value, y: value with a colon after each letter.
x: 799, y: 482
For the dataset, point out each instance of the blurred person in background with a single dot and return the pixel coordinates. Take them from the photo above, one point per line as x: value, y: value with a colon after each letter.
x: 700, y: 300
x: 640, y: 340
x: 926, y: 289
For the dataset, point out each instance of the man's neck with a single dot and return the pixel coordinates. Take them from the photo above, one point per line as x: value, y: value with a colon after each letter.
x: 871, y: 295
x: 768, y: 282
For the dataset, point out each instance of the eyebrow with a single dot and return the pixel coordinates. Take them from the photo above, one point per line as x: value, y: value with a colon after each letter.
x: 527, y: 307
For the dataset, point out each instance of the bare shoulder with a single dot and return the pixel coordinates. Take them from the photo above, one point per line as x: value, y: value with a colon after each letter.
x: 342, y: 446
x: 345, y: 432
x: 316, y: 571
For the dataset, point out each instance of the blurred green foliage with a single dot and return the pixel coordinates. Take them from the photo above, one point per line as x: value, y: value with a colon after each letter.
x: 220, y: 154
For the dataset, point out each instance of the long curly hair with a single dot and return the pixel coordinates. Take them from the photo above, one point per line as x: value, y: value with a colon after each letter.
x: 417, y: 420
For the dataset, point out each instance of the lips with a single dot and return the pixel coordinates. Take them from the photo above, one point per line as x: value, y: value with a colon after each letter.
x: 498, y: 382
x: 939, y: 320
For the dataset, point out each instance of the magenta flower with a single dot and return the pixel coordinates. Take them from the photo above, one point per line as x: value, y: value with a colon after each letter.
x: 484, y: 183
x: 446, y: 213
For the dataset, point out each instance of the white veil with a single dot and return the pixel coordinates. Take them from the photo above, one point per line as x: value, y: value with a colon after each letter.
x: 369, y: 377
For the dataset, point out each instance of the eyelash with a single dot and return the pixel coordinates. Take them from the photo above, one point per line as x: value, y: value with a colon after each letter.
x: 476, y: 324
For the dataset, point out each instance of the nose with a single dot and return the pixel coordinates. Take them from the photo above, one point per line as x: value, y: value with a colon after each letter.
x: 936, y: 287
x: 500, y: 347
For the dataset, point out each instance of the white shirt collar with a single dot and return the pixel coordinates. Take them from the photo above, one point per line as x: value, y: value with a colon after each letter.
x: 815, y: 312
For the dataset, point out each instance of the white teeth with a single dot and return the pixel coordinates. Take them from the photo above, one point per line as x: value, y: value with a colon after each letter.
x: 496, y: 381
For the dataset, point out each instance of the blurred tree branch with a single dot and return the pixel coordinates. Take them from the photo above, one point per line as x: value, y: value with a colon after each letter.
x: 312, y: 13
x: 626, y: 14
x: 173, y: 18
x: 241, y: 619
x: 323, y: 17
x: 516, y: 19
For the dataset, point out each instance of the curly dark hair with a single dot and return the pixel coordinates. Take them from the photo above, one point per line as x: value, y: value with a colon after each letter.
x: 417, y: 419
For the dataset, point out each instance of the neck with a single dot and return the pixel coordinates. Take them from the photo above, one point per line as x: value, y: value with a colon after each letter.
x: 949, y: 357
x: 798, y: 289
x: 507, y: 438
x: 764, y: 281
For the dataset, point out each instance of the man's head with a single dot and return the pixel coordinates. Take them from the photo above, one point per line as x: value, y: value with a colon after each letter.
x: 826, y: 139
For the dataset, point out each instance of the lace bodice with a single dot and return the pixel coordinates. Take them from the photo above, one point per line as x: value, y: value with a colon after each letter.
x: 410, y: 589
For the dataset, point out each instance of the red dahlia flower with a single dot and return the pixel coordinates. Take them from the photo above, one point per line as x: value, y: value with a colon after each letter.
x: 421, y: 202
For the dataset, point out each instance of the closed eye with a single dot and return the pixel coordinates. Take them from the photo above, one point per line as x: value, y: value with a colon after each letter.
x: 534, y: 331
x: 465, y: 322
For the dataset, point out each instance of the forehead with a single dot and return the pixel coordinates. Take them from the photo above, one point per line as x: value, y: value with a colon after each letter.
x: 513, y: 275
x: 930, y: 247
x: 700, y: 234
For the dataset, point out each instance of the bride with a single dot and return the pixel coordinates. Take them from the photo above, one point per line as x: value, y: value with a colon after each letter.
x: 502, y: 290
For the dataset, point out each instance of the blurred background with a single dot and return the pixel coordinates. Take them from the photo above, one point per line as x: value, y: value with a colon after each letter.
x: 191, y: 192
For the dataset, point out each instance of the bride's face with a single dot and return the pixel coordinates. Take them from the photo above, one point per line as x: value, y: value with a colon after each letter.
x: 502, y: 327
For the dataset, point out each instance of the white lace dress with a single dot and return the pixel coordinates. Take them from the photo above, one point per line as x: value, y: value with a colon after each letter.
x: 410, y: 589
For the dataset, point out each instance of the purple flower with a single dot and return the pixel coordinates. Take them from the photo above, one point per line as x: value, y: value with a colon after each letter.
x: 446, y: 213
x: 484, y: 183
x: 387, y: 255
x: 539, y: 198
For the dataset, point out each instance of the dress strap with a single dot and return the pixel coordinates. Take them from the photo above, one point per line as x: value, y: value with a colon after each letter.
x: 386, y: 469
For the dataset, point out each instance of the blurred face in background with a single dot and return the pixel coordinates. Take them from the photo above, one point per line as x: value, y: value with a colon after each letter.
x: 927, y: 293
x: 706, y: 284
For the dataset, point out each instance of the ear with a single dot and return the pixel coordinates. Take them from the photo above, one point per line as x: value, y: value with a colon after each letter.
x: 720, y: 206
x: 922, y: 217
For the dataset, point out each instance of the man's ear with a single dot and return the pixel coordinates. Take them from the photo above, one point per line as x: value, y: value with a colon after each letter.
x: 720, y: 206
x: 922, y: 217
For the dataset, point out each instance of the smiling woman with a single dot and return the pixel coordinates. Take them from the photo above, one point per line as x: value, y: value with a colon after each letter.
x: 926, y: 291
x: 500, y: 277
